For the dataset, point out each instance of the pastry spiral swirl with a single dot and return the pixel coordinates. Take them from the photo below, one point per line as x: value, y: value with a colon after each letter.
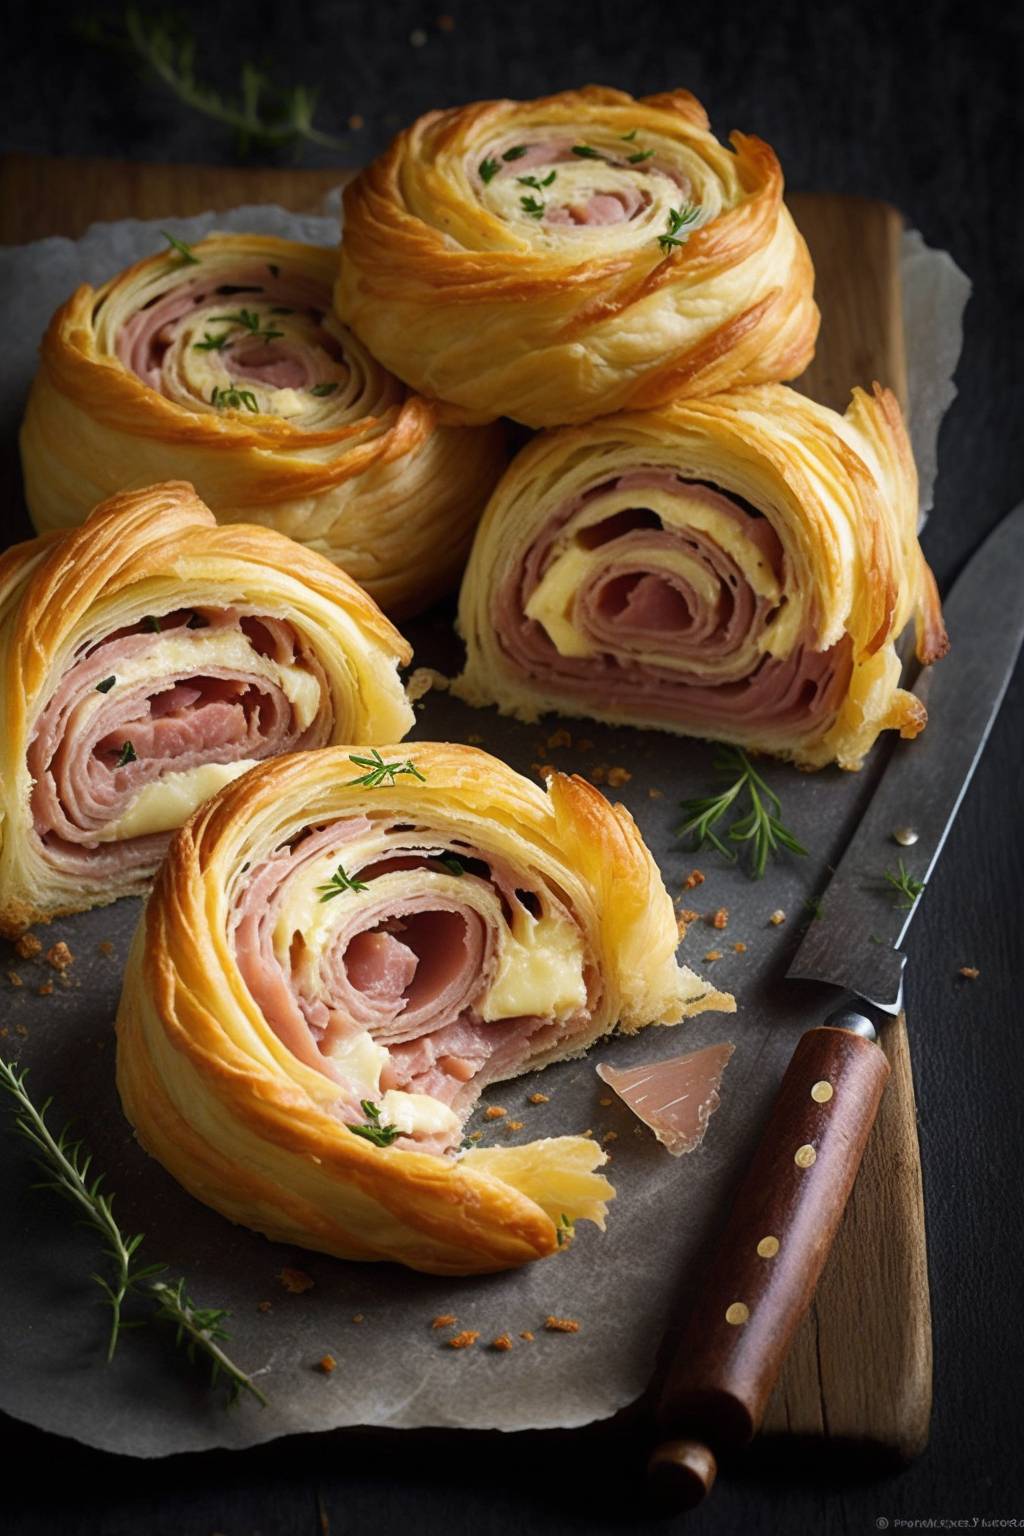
x: 337, y: 957
x: 150, y: 657
x: 738, y: 568
x: 559, y: 259
x: 226, y: 367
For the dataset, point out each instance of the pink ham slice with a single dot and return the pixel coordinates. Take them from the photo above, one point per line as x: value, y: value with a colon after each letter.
x: 677, y: 1097
x: 600, y: 208
x: 630, y: 606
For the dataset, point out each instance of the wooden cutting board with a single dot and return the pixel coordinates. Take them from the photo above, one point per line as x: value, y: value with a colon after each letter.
x: 859, y: 1376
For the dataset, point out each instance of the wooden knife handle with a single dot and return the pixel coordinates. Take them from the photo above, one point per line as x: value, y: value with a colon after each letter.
x: 764, y: 1271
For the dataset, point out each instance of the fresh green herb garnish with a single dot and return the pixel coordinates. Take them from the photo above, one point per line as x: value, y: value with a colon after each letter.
x: 627, y: 138
x: 488, y: 169
x: 643, y: 154
x: 516, y: 152
x: 339, y: 882
x: 373, y: 1130
x: 152, y: 623
x: 678, y: 219
x: 106, y: 685
x: 565, y: 1230
x: 532, y: 206
x: 586, y: 152
x: 760, y: 825
x: 234, y: 399
x: 127, y: 755
x: 187, y: 254
x: 322, y: 390
x: 905, y: 883
x: 380, y: 772
x: 250, y: 321
x: 67, y: 1165
x: 815, y: 906
x: 454, y: 865
x: 212, y: 343
x: 535, y: 182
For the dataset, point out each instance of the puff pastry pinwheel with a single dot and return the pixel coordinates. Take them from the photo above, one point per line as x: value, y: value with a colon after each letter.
x: 223, y: 364
x: 149, y: 657
x: 737, y: 568
x: 342, y: 950
x: 559, y: 259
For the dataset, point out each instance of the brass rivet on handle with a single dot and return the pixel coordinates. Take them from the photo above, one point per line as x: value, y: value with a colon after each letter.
x: 822, y: 1092
x: 768, y: 1247
x: 805, y: 1156
x: 737, y: 1313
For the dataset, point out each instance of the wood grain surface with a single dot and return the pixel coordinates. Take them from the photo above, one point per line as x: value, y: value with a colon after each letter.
x: 859, y: 1373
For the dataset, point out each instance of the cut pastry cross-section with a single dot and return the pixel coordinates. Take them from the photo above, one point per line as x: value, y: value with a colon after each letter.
x: 150, y: 658
x: 225, y: 363
x: 558, y: 259
x: 343, y: 950
x: 738, y: 568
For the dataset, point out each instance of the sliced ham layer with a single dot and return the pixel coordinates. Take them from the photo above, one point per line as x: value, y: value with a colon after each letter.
x: 173, y: 721
x: 677, y: 1097
x: 658, y: 647
x: 603, y: 206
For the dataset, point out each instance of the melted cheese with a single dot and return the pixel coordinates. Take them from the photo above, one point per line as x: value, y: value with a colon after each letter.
x: 163, y: 805
x: 418, y: 1112
x: 539, y: 972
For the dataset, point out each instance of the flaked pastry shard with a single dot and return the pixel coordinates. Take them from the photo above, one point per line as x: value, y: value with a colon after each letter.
x: 342, y: 950
x: 224, y: 365
x: 148, y: 658
x: 737, y: 568
x: 558, y: 259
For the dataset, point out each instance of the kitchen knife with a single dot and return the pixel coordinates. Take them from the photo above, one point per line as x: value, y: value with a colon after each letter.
x: 762, y: 1276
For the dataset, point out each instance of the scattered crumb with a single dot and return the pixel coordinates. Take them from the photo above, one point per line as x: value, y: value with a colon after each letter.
x: 28, y: 946
x: 527, y: 1335
x: 694, y: 878
x: 3, y: 1031
x: 264, y: 1306
x: 587, y: 1132
x: 475, y: 1136
x: 604, y: 1103
x: 495, y: 1112
x: 59, y: 956
x: 584, y: 744
x: 22, y: 1029
x: 688, y: 914
x: 105, y: 947
x: 14, y: 979
x: 618, y: 776
x: 555, y: 740
x: 681, y: 925
x: 326, y: 1364
x: 561, y: 1325
x: 777, y: 917
x: 599, y: 773
x: 718, y: 919
x: 655, y: 794
x: 423, y: 681
x: 539, y: 1098
x: 543, y: 770
x: 463, y: 1340
x: 444, y: 1320
x: 45, y: 989
x: 514, y: 1125
x: 357, y: 1317
x: 503, y: 1342
x: 296, y: 1281
x: 712, y: 954
x: 610, y: 1136
x: 740, y: 948
x: 970, y: 971
x: 356, y: 121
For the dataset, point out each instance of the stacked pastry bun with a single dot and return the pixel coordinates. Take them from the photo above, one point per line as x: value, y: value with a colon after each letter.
x: 223, y: 364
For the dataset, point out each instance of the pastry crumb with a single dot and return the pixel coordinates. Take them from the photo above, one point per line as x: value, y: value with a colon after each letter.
x: 514, y: 1125
x: 358, y: 1317
x: 610, y: 1136
x: 555, y: 740
x: 970, y: 971
x: 105, y: 947
x: 587, y: 1132
x: 45, y: 989
x: 543, y: 770
x: 618, y: 776
x: 655, y: 794
x: 14, y: 979
x: 495, y: 1112
x: 59, y: 956
x: 28, y: 946
x: 264, y: 1306
x: 539, y: 1098
x: 739, y: 947
x: 527, y: 1335
x: 561, y: 1325
x: 444, y: 1320
x: 718, y: 918
x: 689, y: 914
x: 22, y: 1029
x: 296, y: 1281
x: 599, y: 773
x: 357, y: 121
x: 326, y: 1363
x: 604, y: 1103
x: 712, y: 955
x: 681, y: 925
x: 464, y: 1339
x: 503, y: 1343
x: 693, y: 879
x: 777, y: 917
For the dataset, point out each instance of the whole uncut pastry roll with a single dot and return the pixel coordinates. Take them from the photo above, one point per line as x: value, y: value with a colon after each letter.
x: 223, y: 364
x: 555, y: 260
x: 737, y: 568
x: 342, y: 950
x: 149, y: 657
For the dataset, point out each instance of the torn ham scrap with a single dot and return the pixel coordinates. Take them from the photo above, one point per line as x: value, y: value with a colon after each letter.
x: 677, y: 1097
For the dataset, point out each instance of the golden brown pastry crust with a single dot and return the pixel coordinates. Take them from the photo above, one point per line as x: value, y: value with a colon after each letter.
x: 472, y: 299
x: 139, y: 556
x: 363, y: 473
x: 839, y: 496
x: 245, y: 1125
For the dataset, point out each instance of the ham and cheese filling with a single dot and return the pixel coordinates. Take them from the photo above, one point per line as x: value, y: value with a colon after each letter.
x: 147, y: 723
x: 653, y: 594
x: 412, y: 967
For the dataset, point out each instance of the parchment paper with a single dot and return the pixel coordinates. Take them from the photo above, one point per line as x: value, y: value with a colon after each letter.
x: 393, y: 1369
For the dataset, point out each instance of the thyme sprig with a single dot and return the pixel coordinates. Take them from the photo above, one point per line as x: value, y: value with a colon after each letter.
x: 906, y: 884
x: 679, y: 219
x: 538, y: 183
x: 67, y: 1167
x: 340, y: 881
x: 761, y: 825
x: 488, y: 169
x: 187, y: 254
x: 234, y: 399
x: 373, y: 1130
x: 532, y: 207
x: 379, y: 772
x: 261, y: 113
x: 126, y: 755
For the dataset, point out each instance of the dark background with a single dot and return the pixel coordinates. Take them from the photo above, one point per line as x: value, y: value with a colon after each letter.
x: 920, y: 107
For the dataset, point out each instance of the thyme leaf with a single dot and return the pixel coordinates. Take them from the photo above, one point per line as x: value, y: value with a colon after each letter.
x: 373, y: 1130
x: 234, y: 399
x: 127, y: 755
x: 488, y: 169
x: 586, y: 152
x: 679, y: 219
x: 379, y: 772
x: 532, y: 206
x: 516, y: 152
x: 761, y: 825
x: 187, y: 254
x: 322, y: 390
x: 339, y: 882
x: 905, y: 883
x: 643, y: 154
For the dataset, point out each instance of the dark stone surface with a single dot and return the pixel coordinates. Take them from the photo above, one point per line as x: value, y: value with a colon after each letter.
x: 917, y: 106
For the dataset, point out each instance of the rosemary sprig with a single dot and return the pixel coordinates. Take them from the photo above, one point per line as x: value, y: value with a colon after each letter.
x: 380, y: 772
x: 262, y: 113
x: 761, y: 825
x: 532, y: 206
x: 187, y: 254
x: 234, y: 399
x: 678, y: 219
x: 339, y: 882
x: 373, y: 1130
x: 126, y: 755
x: 906, y: 884
x: 67, y: 1166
